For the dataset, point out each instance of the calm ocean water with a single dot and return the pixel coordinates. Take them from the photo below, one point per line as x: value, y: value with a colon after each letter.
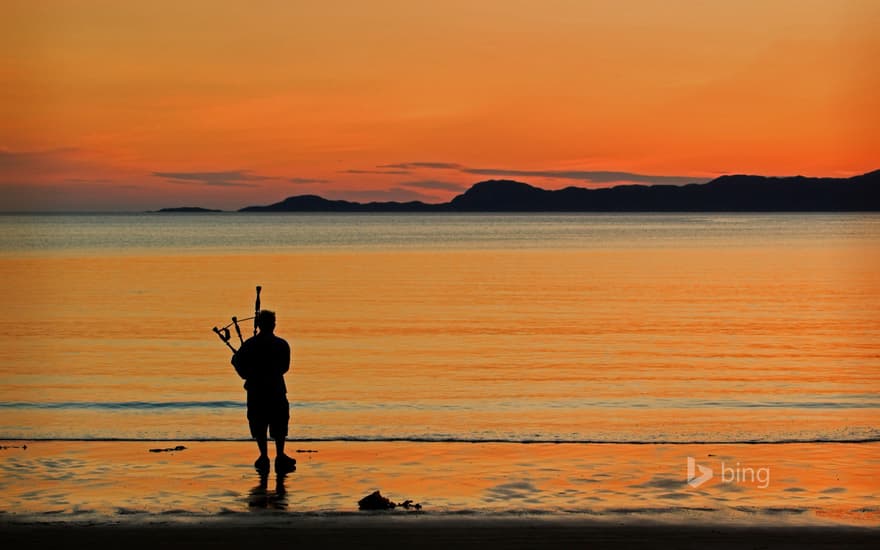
x: 613, y: 328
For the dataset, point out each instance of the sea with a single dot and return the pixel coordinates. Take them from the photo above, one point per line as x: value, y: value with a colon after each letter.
x: 471, y: 341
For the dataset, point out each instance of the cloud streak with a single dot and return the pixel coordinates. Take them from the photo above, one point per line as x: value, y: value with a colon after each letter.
x: 45, y: 162
x: 386, y: 172
x: 225, y: 178
x: 591, y: 176
x: 306, y: 181
x: 422, y: 164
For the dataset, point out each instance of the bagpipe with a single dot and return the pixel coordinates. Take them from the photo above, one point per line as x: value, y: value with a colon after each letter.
x: 224, y: 333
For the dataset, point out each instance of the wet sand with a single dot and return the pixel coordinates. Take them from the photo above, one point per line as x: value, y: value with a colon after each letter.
x: 119, y: 494
x: 103, y: 481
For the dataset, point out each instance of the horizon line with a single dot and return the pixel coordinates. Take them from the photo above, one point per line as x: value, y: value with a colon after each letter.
x: 160, y: 209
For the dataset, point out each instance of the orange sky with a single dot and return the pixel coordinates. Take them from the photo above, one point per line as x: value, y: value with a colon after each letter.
x: 124, y: 105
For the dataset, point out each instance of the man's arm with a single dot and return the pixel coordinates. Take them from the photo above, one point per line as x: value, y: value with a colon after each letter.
x: 285, y: 358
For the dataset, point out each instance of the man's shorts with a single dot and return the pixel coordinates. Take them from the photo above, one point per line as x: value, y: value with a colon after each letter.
x: 272, y: 414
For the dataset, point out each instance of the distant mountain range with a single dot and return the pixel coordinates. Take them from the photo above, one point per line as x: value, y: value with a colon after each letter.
x: 725, y: 194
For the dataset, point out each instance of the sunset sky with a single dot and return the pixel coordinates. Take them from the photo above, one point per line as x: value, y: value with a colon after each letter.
x: 108, y: 105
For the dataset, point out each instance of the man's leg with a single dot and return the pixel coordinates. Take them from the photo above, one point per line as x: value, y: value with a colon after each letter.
x: 278, y: 425
x: 262, y: 462
x: 283, y: 463
x: 278, y: 431
x: 258, y: 425
x: 263, y: 445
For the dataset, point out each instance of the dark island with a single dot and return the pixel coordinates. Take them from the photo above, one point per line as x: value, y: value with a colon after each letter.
x: 187, y: 210
x: 725, y: 194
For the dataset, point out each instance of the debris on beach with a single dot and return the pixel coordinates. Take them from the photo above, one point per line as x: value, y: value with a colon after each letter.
x: 408, y: 504
x: 306, y: 451
x: 169, y: 449
x: 375, y: 501
x: 4, y: 447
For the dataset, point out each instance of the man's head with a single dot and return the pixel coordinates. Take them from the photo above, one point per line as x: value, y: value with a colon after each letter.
x: 266, y: 321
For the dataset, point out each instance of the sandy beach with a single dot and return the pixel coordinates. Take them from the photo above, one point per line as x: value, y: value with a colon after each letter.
x: 107, y: 494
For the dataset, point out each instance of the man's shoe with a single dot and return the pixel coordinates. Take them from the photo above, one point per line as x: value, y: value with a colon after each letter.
x: 262, y: 464
x: 284, y: 464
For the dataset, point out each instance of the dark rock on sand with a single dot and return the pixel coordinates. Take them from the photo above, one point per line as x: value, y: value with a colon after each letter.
x: 169, y: 449
x: 375, y: 501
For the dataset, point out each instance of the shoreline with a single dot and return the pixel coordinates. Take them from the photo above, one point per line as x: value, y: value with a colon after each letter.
x: 151, y: 483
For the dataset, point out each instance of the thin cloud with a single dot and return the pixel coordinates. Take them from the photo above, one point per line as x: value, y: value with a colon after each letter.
x: 12, y: 158
x: 592, y: 176
x: 305, y: 181
x: 586, y: 175
x: 226, y: 178
x: 68, y: 196
x: 435, y: 184
x: 39, y: 161
x: 434, y: 165
x: 91, y: 181
x: 386, y: 172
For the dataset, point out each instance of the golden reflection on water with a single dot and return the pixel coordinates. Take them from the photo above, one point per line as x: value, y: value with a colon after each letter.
x: 616, y: 344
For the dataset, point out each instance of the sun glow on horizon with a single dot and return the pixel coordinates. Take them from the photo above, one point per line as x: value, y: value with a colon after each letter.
x: 110, y: 106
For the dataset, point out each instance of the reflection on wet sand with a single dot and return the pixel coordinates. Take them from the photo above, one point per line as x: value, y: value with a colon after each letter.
x: 260, y: 497
x: 810, y: 483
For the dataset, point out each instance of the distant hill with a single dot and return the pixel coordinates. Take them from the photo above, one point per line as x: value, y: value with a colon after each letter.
x: 187, y: 210
x: 314, y: 203
x: 739, y: 193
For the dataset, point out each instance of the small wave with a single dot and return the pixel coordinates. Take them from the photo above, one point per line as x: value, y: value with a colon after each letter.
x: 849, y: 402
x: 116, y: 405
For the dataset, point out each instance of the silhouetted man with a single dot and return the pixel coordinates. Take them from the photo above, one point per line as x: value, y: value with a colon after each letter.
x: 262, y: 362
